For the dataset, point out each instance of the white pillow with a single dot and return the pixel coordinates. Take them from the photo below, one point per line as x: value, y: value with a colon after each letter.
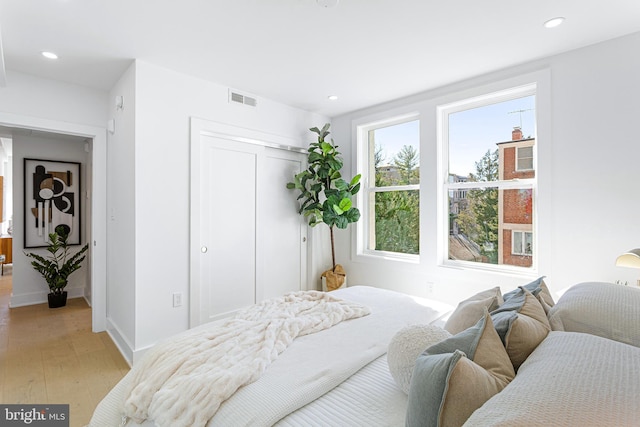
x: 603, y: 309
x: 405, y: 347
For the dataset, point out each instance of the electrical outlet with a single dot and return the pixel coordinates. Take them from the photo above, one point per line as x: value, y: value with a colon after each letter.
x: 430, y: 286
x: 177, y: 299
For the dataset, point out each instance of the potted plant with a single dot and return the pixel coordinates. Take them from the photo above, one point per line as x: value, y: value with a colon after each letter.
x: 326, y: 196
x: 58, y: 266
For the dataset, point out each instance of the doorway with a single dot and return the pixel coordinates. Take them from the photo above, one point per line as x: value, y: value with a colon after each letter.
x: 95, y: 140
x: 6, y: 208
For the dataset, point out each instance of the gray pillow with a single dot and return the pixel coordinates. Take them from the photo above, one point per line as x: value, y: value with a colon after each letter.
x: 521, y: 323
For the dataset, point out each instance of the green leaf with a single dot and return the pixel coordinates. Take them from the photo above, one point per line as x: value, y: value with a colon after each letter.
x: 291, y: 185
x: 341, y: 184
x: 355, y: 180
x: 337, y: 210
x: 355, y: 189
x: 314, y: 157
x: 352, y: 215
x: 341, y: 222
x: 326, y: 147
x: 335, y: 163
x: 345, y: 204
x: 329, y: 217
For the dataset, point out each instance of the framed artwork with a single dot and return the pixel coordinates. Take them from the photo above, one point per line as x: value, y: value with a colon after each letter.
x: 51, y: 199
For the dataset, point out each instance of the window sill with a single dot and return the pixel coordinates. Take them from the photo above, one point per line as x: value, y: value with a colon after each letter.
x: 377, y: 256
x: 491, y: 268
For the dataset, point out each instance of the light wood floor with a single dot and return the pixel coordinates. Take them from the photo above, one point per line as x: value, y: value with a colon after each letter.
x: 51, y: 356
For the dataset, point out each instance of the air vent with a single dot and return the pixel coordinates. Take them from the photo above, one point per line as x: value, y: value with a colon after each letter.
x: 242, y: 99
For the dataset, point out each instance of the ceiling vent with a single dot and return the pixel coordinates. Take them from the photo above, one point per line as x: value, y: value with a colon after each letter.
x: 242, y: 99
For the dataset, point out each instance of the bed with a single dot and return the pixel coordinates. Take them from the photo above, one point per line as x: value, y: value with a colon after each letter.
x: 338, y: 376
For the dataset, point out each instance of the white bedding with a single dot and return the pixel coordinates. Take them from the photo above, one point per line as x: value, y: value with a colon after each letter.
x: 604, y: 386
x: 183, y: 381
x: 369, y: 398
x: 312, y: 366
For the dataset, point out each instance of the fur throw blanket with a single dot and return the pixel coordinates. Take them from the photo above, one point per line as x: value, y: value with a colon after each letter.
x: 183, y: 381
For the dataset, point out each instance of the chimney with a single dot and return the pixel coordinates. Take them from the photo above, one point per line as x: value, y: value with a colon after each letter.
x: 516, y: 134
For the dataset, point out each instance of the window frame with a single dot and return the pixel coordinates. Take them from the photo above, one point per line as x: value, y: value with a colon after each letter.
x: 366, y: 226
x: 445, y: 187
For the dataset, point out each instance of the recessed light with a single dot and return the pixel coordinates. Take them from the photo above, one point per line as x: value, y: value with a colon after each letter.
x: 554, y: 22
x: 49, y: 55
x: 332, y: 97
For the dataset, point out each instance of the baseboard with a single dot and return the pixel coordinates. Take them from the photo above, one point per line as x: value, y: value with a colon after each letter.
x: 137, y: 354
x: 123, y: 345
x: 34, y: 298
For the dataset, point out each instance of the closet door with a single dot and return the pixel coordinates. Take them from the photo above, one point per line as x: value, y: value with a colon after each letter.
x: 281, y: 232
x: 227, y: 240
x: 248, y: 242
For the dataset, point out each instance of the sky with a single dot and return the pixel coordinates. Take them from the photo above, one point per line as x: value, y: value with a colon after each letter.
x: 471, y: 132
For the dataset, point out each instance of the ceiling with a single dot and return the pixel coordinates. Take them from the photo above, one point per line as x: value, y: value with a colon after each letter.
x: 294, y: 51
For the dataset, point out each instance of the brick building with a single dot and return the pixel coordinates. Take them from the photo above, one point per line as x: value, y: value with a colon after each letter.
x: 515, y: 225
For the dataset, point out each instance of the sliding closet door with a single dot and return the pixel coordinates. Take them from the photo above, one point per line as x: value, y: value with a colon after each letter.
x: 247, y: 241
x: 228, y: 172
x: 281, y: 234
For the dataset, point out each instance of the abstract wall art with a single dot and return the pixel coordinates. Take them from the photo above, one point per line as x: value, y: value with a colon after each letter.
x: 51, y: 199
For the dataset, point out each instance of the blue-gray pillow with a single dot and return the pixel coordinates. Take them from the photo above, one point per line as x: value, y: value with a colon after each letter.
x: 540, y: 290
x: 455, y: 377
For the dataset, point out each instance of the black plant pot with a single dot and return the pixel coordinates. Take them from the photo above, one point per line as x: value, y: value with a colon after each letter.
x: 57, y: 300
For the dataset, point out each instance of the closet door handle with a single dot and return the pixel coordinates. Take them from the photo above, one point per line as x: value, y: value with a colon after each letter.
x: 204, y: 249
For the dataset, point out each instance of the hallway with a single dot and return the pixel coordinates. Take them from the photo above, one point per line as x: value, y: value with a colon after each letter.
x: 51, y: 356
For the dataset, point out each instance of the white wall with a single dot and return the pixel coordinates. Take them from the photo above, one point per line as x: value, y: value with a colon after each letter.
x: 121, y: 203
x: 31, y: 96
x: 28, y: 285
x: 591, y: 212
x: 164, y: 102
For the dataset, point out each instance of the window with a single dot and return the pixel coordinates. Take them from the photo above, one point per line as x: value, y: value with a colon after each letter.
x: 390, y: 165
x: 525, y: 158
x: 489, y: 179
x: 522, y: 242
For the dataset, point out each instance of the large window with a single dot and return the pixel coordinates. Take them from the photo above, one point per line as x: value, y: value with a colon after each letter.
x: 489, y: 182
x: 390, y: 164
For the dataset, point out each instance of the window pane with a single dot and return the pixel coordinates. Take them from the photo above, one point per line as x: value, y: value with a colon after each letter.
x: 486, y: 226
x: 525, y: 158
x: 396, y: 154
x: 473, y: 232
x: 476, y: 134
x: 517, y: 242
x: 528, y: 243
x: 396, y: 222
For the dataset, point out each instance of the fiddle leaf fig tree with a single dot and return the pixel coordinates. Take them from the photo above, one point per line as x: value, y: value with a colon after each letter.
x: 325, y: 196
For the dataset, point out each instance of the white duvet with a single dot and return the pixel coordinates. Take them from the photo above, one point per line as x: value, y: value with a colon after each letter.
x: 312, y: 366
